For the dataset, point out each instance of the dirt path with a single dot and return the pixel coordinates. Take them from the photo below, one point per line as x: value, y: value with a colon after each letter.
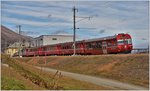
x: 97, y: 80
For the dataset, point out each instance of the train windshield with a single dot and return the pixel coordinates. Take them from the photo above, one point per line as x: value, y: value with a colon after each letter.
x: 120, y: 42
x: 128, y: 41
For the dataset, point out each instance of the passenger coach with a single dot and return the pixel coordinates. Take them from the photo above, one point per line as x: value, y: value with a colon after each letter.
x: 120, y: 43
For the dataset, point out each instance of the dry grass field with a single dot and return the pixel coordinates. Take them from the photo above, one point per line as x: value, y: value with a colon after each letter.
x: 130, y: 68
x: 22, y: 76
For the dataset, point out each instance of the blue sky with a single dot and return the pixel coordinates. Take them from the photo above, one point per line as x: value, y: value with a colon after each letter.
x: 55, y: 17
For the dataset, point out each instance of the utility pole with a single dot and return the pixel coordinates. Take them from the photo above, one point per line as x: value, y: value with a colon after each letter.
x: 74, y: 26
x: 5, y: 45
x: 19, y: 26
x: 74, y: 30
x: 19, y: 31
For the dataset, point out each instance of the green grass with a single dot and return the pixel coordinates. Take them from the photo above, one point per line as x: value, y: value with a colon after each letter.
x: 35, y: 78
x: 11, y: 84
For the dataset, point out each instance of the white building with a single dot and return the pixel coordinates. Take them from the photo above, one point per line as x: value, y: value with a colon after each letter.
x: 52, y: 39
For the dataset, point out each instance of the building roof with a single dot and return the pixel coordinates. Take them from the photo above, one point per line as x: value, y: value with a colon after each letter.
x: 14, y: 45
x: 57, y: 35
x: 17, y: 44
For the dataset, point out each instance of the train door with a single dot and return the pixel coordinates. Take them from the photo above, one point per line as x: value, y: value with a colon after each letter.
x: 104, y: 47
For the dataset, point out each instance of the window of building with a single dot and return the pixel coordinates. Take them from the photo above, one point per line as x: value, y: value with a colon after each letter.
x: 54, y: 38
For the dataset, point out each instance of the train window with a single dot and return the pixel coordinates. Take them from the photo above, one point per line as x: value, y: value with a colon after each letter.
x: 120, y: 42
x: 89, y: 45
x: 67, y: 47
x: 109, y: 44
x: 104, y: 43
x: 93, y: 45
x: 77, y: 46
x: 115, y: 43
x: 72, y: 46
x: 50, y: 48
x: 96, y: 45
x: 64, y: 47
x: 46, y: 49
x: 86, y: 46
x: 129, y: 41
x: 126, y: 42
x: 99, y: 45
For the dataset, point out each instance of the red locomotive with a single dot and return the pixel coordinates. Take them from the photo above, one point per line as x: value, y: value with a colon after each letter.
x: 121, y: 43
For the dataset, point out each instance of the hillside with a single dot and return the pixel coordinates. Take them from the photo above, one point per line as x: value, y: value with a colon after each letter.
x: 9, y: 37
x: 17, y: 75
x: 130, y: 68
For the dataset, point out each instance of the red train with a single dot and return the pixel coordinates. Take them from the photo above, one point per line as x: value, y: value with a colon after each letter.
x: 121, y: 43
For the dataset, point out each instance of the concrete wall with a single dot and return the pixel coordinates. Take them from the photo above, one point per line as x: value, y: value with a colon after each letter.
x: 52, y: 39
x: 56, y: 39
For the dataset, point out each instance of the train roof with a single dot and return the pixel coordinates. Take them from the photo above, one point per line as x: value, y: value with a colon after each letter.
x: 103, y: 38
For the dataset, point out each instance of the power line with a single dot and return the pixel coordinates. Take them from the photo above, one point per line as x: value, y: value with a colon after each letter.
x: 83, y: 18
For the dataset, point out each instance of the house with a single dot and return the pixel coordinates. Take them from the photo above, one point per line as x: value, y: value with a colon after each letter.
x: 11, y: 49
x: 15, y: 47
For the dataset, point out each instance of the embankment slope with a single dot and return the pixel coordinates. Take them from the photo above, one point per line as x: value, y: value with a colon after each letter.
x: 130, y: 68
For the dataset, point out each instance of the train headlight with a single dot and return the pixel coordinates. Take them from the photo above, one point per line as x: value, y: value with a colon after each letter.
x: 125, y: 46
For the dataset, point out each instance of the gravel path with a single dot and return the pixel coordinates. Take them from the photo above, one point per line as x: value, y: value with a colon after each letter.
x: 97, y: 80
